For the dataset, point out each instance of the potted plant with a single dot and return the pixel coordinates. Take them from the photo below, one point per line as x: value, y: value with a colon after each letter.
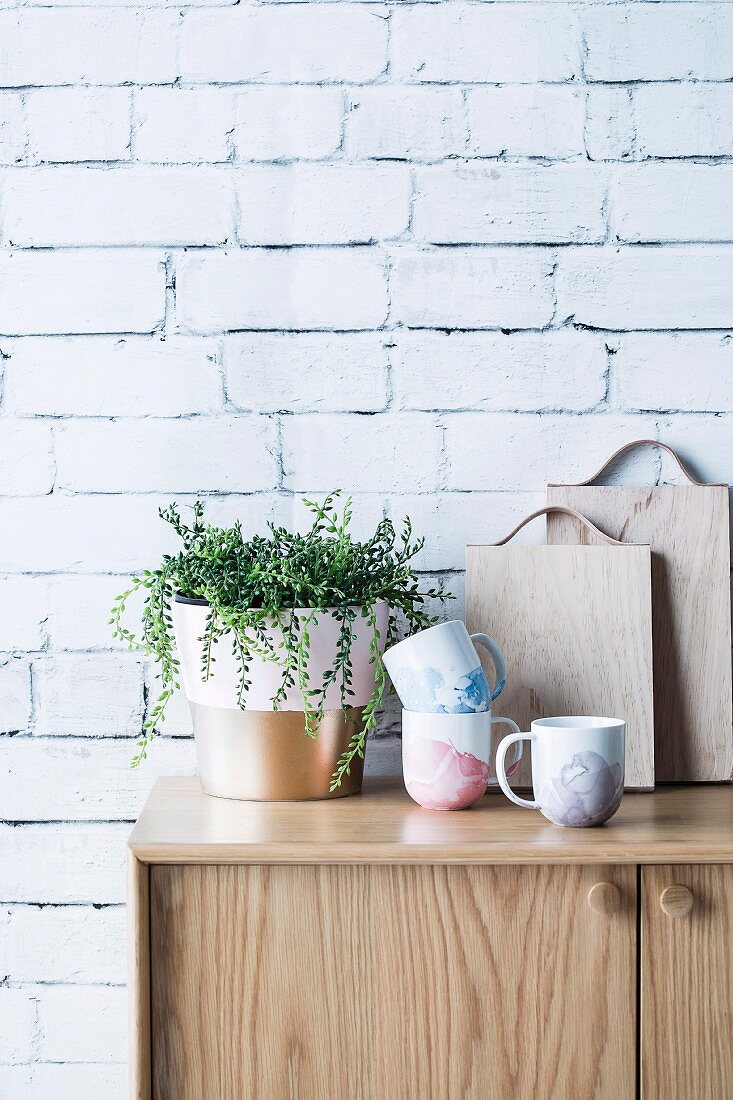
x: 278, y: 641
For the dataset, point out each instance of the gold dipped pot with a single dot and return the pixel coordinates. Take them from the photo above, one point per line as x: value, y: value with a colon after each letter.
x: 266, y: 756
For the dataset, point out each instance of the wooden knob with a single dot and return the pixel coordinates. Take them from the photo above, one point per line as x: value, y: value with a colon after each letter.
x: 604, y: 898
x: 676, y: 901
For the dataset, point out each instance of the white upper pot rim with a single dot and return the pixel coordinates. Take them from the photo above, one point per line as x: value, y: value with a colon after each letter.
x: 197, y: 602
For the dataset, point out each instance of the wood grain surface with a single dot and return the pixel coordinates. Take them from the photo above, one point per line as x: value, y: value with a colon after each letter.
x: 687, y: 528
x: 179, y: 824
x: 412, y: 983
x: 138, y: 976
x: 687, y: 986
x: 574, y: 623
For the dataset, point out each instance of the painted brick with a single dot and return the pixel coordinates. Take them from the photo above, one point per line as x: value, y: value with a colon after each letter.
x: 496, y: 371
x: 78, y: 611
x: 390, y: 726
x: 363, y: 453
x: 99, y: 695
x: 45, y: 46
x: 86, y: 534
x: 75, y: 1081
x: 254, y: 511
x: 163, y: 206
x: 82, y: 1023
x: 61, y: 863
x: 346, y: 373
x: 684, y: 120
x: 148, y: 3
x: 647, y: 288
x: 528, y: 453
x: 498, y: 205
x: 168, y: 456
x: 94, y: 291
x: 25, y: 602
x: 705, y: 444
x: 405, y: 123
x: 369, y: 510
x: 183, y: 124
x: 322, y: 204
x: 177, y: 724
x: 26, y: 458
x: 75, y: 943
x: 262, y: 289
x: 665, y: 41
x: 277, y: 123
x: 473, y: 288
x: 611, y: 123
x: 540, y: 120
x: 108, y: 376
x: 15, y: 694
x: 81, y: 780
x: 76, y: 124
x: 687, y: 371
x: 444, y: 43
x: 92, y: 534
x: 17, y: 1016
x: 17, y: 1081
x: 12, y: 128
x: 383, y: 756
x: 312, y: 44
x: 456, y: 520
x: 434, y: 607
x: 672, y: 202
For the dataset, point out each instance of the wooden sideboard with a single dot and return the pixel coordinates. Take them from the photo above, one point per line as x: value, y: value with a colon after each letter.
x: 367, y: 949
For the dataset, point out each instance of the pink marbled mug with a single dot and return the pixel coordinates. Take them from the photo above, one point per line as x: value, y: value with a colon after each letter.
x: 446, y: 758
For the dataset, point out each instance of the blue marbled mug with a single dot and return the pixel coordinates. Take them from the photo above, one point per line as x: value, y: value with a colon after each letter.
x: 438, y: 670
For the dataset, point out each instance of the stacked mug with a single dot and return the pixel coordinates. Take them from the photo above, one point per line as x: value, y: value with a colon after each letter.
x: 447, y: 721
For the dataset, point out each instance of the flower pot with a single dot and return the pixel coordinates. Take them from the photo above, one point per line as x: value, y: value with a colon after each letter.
x: 259, y: 753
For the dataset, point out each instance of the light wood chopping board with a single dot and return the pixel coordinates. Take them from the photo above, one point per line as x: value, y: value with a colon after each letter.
x: 687, y: 527
x: 574, y: 623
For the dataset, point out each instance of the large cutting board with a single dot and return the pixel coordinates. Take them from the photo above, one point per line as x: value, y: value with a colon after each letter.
x: 574, y: 623
x: 687, y: 527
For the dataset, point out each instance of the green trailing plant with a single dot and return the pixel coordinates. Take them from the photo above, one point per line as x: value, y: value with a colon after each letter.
x: 253, y: 585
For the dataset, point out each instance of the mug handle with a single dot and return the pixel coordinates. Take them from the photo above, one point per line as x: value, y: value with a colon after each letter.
x: 501, y: 773
x: 498, y: 658
x: 518, y: 751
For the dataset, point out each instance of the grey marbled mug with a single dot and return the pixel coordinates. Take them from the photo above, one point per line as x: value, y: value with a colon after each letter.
x: 577, y: 768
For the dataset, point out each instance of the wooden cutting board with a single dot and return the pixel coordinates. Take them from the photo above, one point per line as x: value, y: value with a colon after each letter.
x: 687, y: 527
x: 575, y: 626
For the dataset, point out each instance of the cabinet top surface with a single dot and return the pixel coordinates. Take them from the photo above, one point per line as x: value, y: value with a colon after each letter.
x: 180, y: 824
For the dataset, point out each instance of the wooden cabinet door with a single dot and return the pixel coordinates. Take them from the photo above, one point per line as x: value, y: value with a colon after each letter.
x: 687, y: 983
x: 392, y: 983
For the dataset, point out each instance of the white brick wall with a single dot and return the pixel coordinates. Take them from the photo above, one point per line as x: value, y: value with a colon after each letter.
x: 46, y: 293
x: 556, y: 204
x: 75, y: 124
x: 322, y: 204
x: 682, y: 120
x: 153, y: 206
x: 284, y: 121
x: 526, y: 120
x: 436, y: 252
x: 309, y: 44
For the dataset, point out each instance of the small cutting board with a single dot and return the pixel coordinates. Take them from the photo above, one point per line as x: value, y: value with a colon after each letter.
x: 687, y: 527
x: 575, y: 626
